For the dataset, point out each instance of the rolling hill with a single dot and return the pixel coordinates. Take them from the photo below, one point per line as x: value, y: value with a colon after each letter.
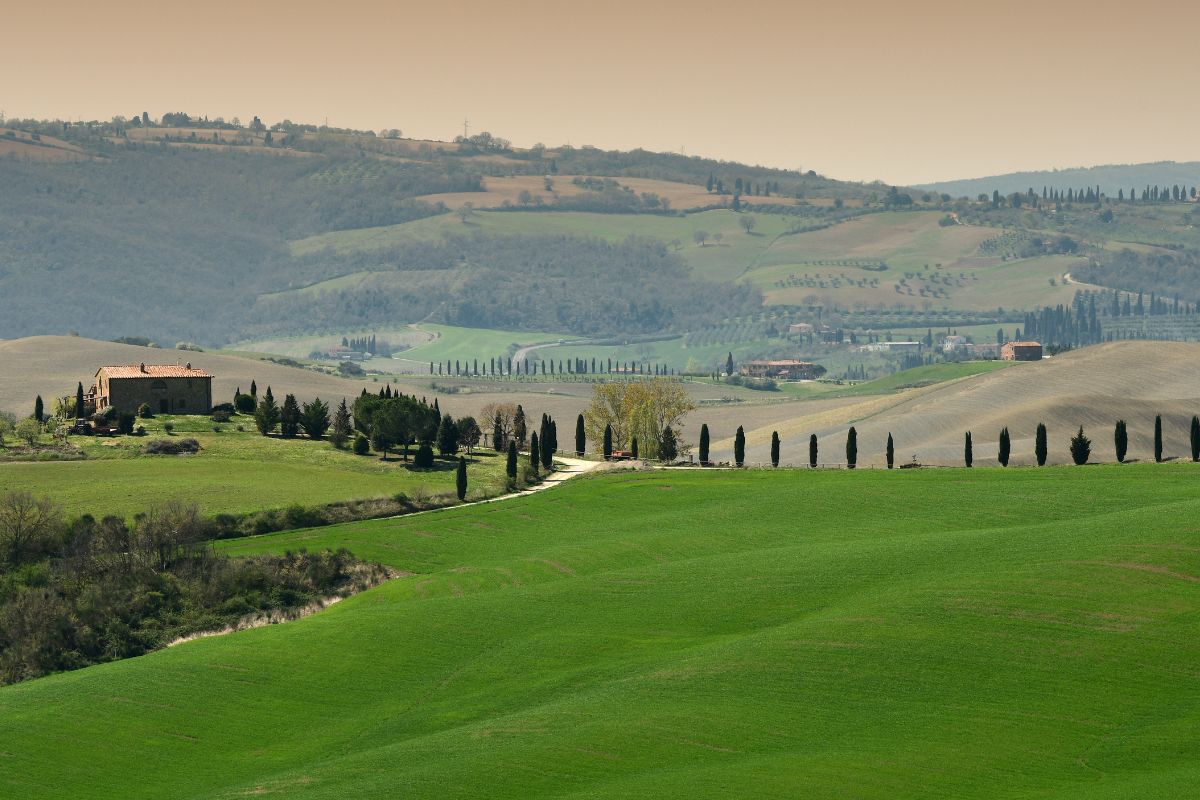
x: 702, y: 635
x: 1111, y: 178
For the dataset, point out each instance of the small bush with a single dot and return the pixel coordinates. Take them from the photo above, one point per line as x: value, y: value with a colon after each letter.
x: 226, y: 407
x: 245, y: 404
x: 241, y: 428
x: 361, y: 445
x: 125, y: 424
x: 141, y: 430
x: 168, y: 427
x: 424, y: 457
x: 221, y: 416
x: 171, y: 447
x: 144, y: 411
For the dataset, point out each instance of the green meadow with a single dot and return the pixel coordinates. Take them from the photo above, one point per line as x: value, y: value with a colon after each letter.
x: 234, y: 472
x: 821, y: 634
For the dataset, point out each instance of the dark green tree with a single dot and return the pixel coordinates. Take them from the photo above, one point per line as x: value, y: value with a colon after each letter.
x: 39, y: 411
x: 968, y: 451
x: 739, y: 447
x: 704, y: 445
x: 266, y: 414
x: 424, y: 458
x: 891, y: 452
x: 774, y: 448
x: 254, y: 390
x: 548, y: 445
x: 535, y: 454
x: 314, y: 418
x: 1195, y: 438
x: 668, y: 446
x: 460, y: 479
x: 510, y: 466
x: 1121, y: 441
x: 634, y: 448
x: 362, y: 445
x: 608, y: 442
x: 341, y: 425
x: 289, y: 417
x: 851, y: 449
x: 1005, y: 448
x: 1039, y: 445
x: 729, y: 363
x: 79, y: 409
x: 580, y: 437
x: 1081, y: 447
x: 812, y: 451
x: 498, y: 434
x: 447, y: 436
x: 1158, y: 442
x: 520, y: 428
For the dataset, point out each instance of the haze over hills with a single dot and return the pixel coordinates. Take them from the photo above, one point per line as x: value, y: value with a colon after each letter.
x: 1111, y: 178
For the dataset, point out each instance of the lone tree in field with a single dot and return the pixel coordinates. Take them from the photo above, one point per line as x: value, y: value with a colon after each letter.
x: 1039, y: 445
x: 968, y: 452
x: 1158, y: 450
x: 729, y: 363
x: 1121, y: 441
x: 704, y: 445
x: 39, y: 411
x: 774, y: 448
x: 580, y: 437
x: 739, y: 447
x: 535, y: 454
x: 460, y: 479
x: 812, y: 451
x: 510, y: 466
x: 607, y: 442
x: 1195, y: 438
x: 851, y: 449
x: 891, y: 452
x: 1081, y: 447
x: 1005, y: 448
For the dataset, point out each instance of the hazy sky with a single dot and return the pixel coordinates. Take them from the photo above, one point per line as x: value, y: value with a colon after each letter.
x: 903, y: 92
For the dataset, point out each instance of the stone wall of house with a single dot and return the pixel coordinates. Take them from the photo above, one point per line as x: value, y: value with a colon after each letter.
x: 163, y: 395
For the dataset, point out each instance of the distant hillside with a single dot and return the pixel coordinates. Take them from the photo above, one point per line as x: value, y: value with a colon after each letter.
x: 1110, y: 178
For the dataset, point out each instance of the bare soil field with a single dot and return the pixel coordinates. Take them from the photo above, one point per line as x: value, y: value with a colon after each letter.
x: 24, y: 147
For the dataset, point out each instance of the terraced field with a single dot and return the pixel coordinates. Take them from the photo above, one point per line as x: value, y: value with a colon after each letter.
x: 683, y: 634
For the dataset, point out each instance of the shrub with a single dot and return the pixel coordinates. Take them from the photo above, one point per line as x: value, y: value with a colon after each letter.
x: 171, y: 447
x: 144, y: 411
x: 424, y: 457
x: 168, y: 427
x: 125, y: 424
x: 221, y: 416
x: 361, y: 445
x: 245, y: 403
x: 228, y: 408
x: 141, y: 430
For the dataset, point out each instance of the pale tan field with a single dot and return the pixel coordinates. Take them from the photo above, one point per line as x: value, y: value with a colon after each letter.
x: 24, y: 148
x: 1093, y: 387
x: 52, y: 365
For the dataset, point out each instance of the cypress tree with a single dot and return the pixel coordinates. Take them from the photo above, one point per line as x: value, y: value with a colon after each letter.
x: 968, y: 454
x: 1005, y: 448
x: 498, y: 434
x: 266, y: 414
x: 608, y: 443
x: 812, y: 451
x: 254, y: 390
x: 580, y: 437
x: 460, y: 479
x: 341, y: 425
x: 774, y: 448
x: 729, y: 363
x: 535, y: 454
x: 1081, y: 447
x: 79, y: 401
x: 519, y: 427
x: 1121, y: 440
x: 289, y: 417
x: 851, y: 448
x: 1195, y: 438
x: 1039, y: 445
x: 739, y: 447
x: 634, y: 448
x: 39, y: 411
x: 891, y: 452
x: 548, y: 446
x: 447, y: 436
x: 511, y: 464
x: 668, y: 448
x: 704, y: 445
x: 1158, y: 444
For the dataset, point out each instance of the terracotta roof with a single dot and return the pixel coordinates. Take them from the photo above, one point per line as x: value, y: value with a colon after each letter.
x: 152, y: 371
x: 784, y: 363
x: 1024, y: 344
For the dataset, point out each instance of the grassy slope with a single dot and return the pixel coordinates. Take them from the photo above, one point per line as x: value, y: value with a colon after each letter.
x: 234, y: 473
x: 705, y: 635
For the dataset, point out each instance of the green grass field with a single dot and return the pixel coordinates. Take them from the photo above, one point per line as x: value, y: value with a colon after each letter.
x: 234, y: 472
x: 934, y: 633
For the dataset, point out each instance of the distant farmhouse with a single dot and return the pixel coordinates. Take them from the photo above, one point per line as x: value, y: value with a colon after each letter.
x: 165, y: 388
x: 1021, y: 351
x: 892, y: 347
x: 786, y: 369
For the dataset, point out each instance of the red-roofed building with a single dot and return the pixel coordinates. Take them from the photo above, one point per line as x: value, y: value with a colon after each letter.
x: 166, y: 388
x: 1021, y: 351
x: 784, y: 369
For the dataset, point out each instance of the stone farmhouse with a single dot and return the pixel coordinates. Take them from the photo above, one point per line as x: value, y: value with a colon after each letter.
x: 1021, y: 351
x: 785, y: 369
x: 166, y: 388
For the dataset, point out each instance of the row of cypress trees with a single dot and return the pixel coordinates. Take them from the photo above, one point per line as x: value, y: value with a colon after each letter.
x: 1080, y: 445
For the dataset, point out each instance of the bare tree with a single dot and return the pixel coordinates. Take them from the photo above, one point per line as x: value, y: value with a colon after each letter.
x: 27, y: 524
